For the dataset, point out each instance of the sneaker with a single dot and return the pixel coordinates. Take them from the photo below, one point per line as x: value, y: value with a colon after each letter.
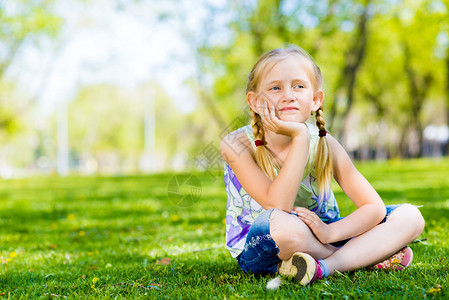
x: 399, y: 261
x: 302, y: 267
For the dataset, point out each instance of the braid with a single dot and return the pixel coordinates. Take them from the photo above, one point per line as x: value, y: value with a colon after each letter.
x: 320, y: 119
x: 264, y: 159
x: 323, y: 157
x: 256, y: 124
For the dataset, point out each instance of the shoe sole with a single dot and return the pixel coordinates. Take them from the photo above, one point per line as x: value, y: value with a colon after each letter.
x: 300, y: 267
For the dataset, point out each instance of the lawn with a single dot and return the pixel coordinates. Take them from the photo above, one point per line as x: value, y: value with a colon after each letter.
x: 139, y: 237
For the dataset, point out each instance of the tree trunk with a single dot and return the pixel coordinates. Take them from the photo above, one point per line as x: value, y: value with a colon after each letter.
x: 347, y: 80
x: 446, y: 150
x: 403, y: 144
x: 418, y: 88
x: 374, y: 97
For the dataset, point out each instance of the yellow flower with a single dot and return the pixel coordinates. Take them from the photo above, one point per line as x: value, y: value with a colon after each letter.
x: 13, y: 254
x: 174, y: 218
x: 95, y: 280
x: 436, y: 289
x: 82, y: 233
x: 71, y: 217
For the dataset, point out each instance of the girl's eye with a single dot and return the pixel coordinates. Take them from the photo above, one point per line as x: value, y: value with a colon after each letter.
x: 275, y: 88
x: 299, y: 86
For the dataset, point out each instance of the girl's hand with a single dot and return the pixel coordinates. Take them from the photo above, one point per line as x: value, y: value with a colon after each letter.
x: 321, y: 230
x: 273, y: 123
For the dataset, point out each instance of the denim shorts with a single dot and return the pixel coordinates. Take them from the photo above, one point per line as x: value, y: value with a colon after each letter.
x: 260, y: 255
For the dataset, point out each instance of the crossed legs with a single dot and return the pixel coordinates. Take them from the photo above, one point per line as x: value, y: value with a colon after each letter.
x: 402, y: 227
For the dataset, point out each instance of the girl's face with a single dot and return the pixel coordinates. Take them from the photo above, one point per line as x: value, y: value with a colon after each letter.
x: 288, y: 87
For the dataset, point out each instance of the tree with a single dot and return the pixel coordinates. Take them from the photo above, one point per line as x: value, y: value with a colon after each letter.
x: 445, y: 32
x: 419, y: 69
x: 347, y: 79
x: 108, y: 121
x: 22, y: 23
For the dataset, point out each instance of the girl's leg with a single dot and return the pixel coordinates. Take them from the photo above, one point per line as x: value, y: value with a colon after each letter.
x: 402, y: 227
x: 293, y: 235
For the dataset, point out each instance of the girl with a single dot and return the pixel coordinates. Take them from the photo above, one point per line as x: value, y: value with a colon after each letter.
x: 281, y: 213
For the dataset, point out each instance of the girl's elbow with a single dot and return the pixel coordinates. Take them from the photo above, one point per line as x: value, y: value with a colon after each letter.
x: 272, y: 201
x: 276, y: 205
x: 381, y: 212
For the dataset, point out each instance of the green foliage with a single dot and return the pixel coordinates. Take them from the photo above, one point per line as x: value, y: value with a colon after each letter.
x: 96, y: 237
x: 399, y: 85
x: 224, y: 52
x: 15, y: 136
x: 21, y: 22
x: 103, y: 119
x: 108, y: 119
x: 29, y: 18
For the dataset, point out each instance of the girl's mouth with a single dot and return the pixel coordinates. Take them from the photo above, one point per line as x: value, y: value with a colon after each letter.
x: 289, y: 108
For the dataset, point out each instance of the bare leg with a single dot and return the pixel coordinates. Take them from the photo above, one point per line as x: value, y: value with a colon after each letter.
x: 292, y: 235
x: 402, y: 227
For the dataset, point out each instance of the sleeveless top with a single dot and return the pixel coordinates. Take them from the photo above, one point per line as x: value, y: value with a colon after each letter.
x: 242, y: 210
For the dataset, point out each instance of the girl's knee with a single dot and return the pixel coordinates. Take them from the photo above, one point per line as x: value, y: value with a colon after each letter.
x: 287, y: 230
x: 411, y: 218
x: 419, y: 219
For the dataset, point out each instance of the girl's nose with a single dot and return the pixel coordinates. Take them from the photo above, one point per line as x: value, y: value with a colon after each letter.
x: 288, y: 94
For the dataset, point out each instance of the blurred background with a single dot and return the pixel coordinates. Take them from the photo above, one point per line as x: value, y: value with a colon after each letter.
x: 133, y: 86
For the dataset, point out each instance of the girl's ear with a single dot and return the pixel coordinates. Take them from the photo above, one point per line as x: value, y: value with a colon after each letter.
x: 318, y: 99
x: 252, y: 101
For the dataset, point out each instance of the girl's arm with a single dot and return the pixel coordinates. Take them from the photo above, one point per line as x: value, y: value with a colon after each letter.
x: 370, y: 208
x: 280, y: 192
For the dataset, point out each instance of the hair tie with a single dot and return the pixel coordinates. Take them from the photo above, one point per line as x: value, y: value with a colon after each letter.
x: 258, y: 143
x: 322, y: 133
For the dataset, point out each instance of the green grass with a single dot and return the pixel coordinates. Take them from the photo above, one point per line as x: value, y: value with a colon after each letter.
x: 97, y: 237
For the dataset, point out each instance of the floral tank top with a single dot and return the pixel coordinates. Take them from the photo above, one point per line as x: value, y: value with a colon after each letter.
x: 242, y: 210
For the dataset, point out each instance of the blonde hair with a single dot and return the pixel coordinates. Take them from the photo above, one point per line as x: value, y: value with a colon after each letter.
x: 264, y: 158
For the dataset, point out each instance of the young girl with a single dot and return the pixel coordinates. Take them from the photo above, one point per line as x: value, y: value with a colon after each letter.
x: 281, y: 213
